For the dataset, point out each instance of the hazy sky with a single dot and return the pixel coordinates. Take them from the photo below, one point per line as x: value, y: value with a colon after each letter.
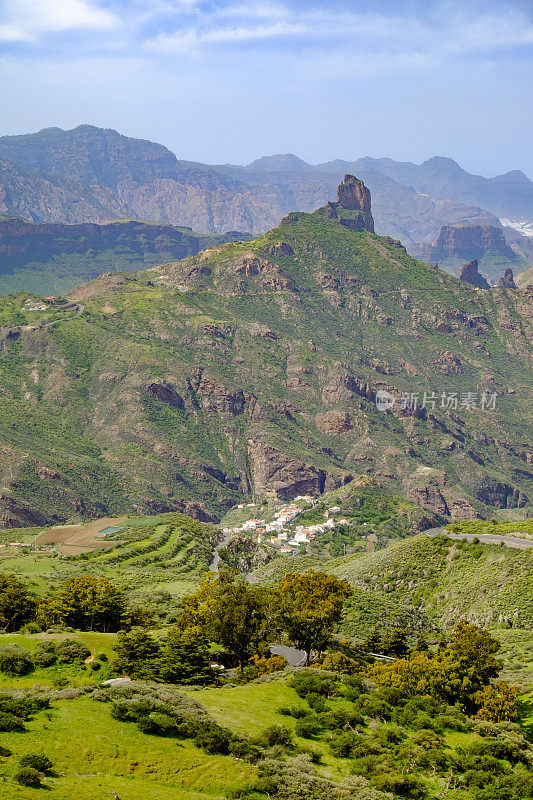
x: 229, y: 81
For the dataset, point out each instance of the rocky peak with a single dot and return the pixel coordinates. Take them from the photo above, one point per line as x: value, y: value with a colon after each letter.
x: 352, y: 208
x: 507, y: 282
x: 470, y: 274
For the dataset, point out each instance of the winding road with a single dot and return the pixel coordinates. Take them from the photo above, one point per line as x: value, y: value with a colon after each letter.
x: 484, y: 538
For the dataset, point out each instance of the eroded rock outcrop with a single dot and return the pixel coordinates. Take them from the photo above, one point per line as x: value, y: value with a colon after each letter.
x: 507, y: 282
x: 279, y: 475
x: 470, y: 274
x: 353, y: 206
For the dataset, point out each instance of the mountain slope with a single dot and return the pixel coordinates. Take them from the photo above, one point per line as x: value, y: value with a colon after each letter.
x: 54, y: 258
x: 253, y: 368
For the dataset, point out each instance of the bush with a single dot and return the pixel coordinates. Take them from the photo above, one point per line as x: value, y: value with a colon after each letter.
x: 214, y: 739
x: 276, y: 735
x: 400, y: 784
x: 27, y: 776
x: 307, y: 727
x: 37, y: 761
x: 340, y: 663
x: 293, y: 711
x: 15, y: 660
x: 343, y: 745
x: 158, y: 724
x: 316, y: 701
x: 305, y: 683
x: 72, y: 651
x: 94, y: 666
x: 101, y: 657
x: 32, y: 627
x: 4, y: 752
x: 45, y: 654
x: 9, y: 722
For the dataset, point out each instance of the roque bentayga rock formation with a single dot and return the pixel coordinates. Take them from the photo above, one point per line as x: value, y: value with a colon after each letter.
x: 253, y: 368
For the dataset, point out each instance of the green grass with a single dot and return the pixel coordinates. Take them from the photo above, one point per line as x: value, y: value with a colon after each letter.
x: 95, y: 755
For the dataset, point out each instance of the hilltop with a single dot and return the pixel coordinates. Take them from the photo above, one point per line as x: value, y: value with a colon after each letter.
x: 253, y: 368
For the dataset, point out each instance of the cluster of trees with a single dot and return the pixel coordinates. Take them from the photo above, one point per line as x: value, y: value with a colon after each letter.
x: 243, y: 619
x: 459, y: 671
x: 85, y: 602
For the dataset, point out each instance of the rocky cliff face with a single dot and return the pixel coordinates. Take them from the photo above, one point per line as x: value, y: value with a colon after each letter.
x: 470, y: 273
x: 462, y: 241
x: 52, y: 257
x: 254, y: 367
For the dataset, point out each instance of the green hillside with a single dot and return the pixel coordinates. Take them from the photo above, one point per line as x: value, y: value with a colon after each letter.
x: 252, y: 368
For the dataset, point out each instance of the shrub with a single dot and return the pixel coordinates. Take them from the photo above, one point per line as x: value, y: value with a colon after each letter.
x: 4, y: 752
x: 27, y: 776
x: 307, y: 727
x: 45, y: 654
x: 15, y: 660
x: 498, y: 702
x: 343, y: 745
x: 101, y: 657
x: 293, y: 711
x: 9, y: 722
x: 276, y: 735
x: 158, y: 724
x: 37, y: 761
x: 305, y: 683
x: 32, y: 627
x: 340, y: 663
x: 94, y: 666
x: 399, y: 784
x: 316, y: 701
x: 72, y: 651
x: 214, y: 739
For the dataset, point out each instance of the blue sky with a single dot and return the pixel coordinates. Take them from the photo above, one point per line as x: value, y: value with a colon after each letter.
x: 229, y: 81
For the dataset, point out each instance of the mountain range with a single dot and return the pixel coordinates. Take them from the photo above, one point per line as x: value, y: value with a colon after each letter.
x: 291, y: 364
x: 90, y: 174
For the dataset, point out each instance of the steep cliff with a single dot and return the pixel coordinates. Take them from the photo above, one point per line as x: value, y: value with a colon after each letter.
x: 51, y: 258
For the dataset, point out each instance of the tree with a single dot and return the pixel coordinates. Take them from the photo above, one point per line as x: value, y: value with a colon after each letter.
x: 472, y: 649
x: 87, y: 603
x: 395, y: 643
x: 138, y: 654
x: 308, y: 606
x: 185, y: 658
x: 230, y: 612
x: 17, y: 605
x: 499, y: 702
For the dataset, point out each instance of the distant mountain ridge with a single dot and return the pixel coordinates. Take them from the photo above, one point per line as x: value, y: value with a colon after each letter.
x: 90, y: 174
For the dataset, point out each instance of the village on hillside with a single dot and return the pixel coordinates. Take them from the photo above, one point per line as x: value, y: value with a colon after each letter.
x: 281, y: 531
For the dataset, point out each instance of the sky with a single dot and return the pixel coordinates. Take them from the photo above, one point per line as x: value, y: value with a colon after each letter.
x: 228, y: 81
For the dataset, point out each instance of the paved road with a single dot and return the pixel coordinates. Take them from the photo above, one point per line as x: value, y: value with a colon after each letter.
x: 296, y: 658
x: 213, y: 566
x: 484, y: 538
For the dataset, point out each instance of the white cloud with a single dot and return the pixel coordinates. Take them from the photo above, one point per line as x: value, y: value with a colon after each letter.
x: 191, y: 39
x: 26, y: 20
